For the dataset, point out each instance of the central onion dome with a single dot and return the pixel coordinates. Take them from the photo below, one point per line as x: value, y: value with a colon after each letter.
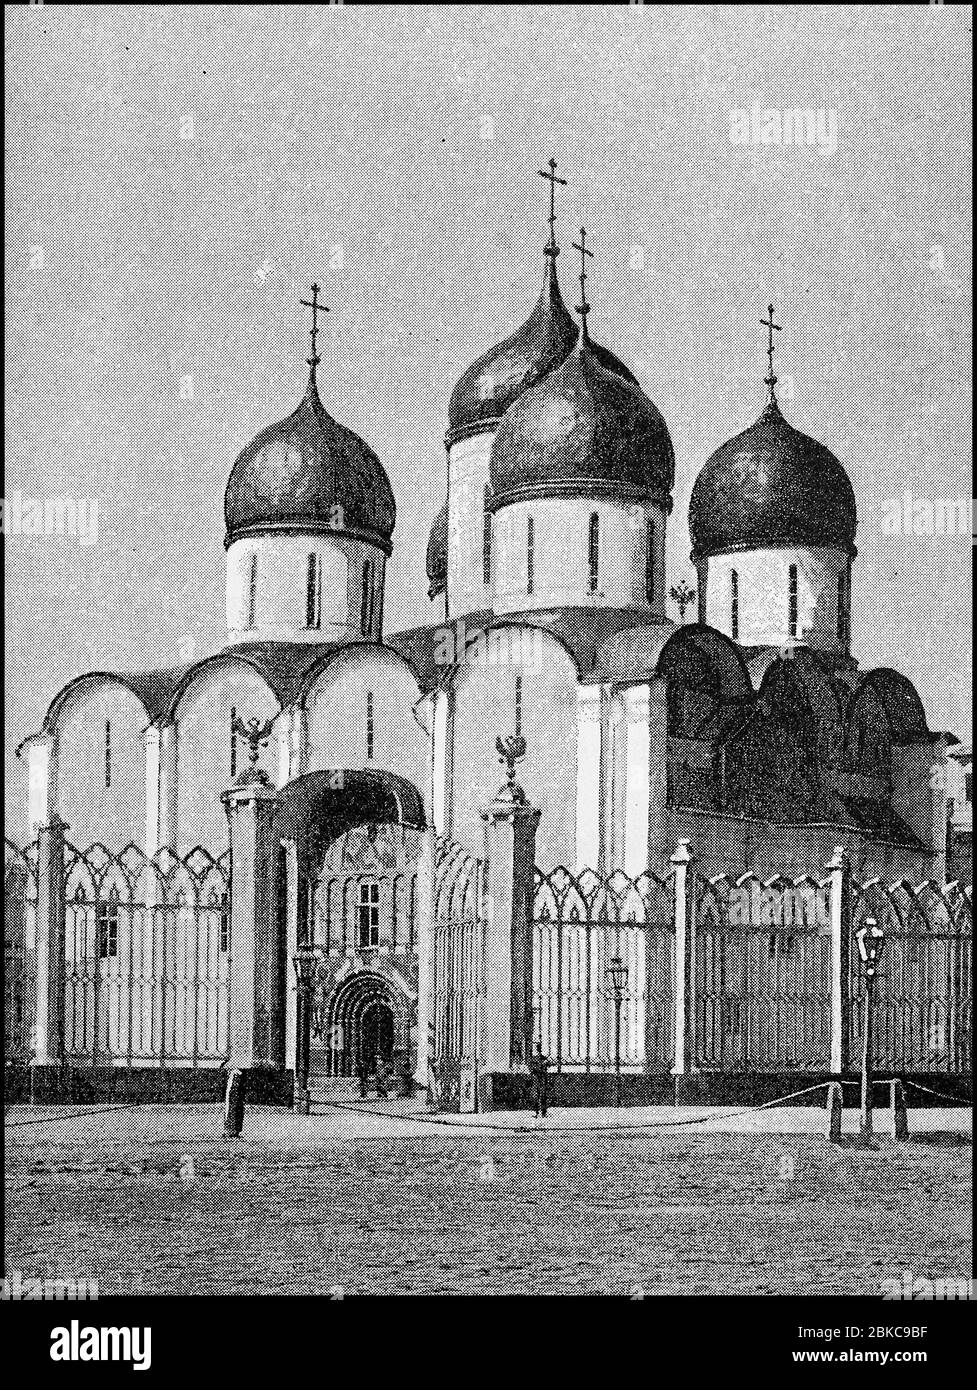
x: 583, y: 431
x: 309, y: 473
x: 504, y: 373
x: 771, y: 486
x: 437, y: 554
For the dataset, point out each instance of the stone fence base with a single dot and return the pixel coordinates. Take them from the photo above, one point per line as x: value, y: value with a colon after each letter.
x: 73, y: 1085
x: 513, y: 1090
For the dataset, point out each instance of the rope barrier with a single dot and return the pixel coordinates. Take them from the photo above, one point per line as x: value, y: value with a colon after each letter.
x: 959, y: 1102
x: 575, y: 1129
x: 422, y: 1118
x: 78, y: 1115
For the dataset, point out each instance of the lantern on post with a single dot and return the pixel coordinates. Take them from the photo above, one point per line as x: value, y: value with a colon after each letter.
x: 305, y: 961
x: 617, y: 979
x: 870, y: 939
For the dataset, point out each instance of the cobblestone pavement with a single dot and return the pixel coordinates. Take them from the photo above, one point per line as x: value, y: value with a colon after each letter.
x: 154, y: 1199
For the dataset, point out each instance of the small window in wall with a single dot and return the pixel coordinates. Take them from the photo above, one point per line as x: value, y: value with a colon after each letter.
x: 844, y: 606
x: 518, y: 718
x: 369, y: 725
x: 107, y: 925
x: 650, y: 562
x: 366, y: 600
x: 734, y: 604
x: 313, y: 592
x: 251, y: 603
x: 233, y: 741
x: 530, y: 554
x: 792, y: 601
x: 368, y: 915
x: 486, y: 538
x: 593, y: 552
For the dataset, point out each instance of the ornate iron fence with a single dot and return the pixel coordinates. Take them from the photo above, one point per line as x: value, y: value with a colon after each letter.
x: 19, y: 941
x: 147, y: 957
x: 580, y: 923
x: 924, y: 984
x: 458, y: 955
x: 761, y: 973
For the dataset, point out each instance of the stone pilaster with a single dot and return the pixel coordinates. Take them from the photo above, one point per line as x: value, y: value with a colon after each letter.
x: 510, y: 843
x: 257, y: 990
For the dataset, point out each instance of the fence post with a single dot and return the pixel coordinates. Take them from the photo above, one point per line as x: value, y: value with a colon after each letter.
x: 684, y: 1005
x: 49, y: 1002
x: 897, y: 1103
x: 425, y: 945
x: 256, y: 994
x: 510, y: 861
x: 840, y: 871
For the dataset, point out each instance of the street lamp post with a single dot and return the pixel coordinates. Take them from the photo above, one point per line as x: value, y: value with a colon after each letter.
x: 870, y: 939
x: 305, y: 961
x: 617, y: 977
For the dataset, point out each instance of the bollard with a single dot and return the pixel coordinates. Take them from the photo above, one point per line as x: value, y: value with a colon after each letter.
x: 234, y: 1105
x: 900, y: 1120
x: 834, y: 1107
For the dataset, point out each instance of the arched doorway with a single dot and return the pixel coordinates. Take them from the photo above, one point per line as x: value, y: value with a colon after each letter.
x: 364, y: 1017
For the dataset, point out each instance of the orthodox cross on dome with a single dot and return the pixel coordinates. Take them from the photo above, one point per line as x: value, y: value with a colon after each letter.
x: 583, y: 308
x: 552, y: 249
x: 317, y: 309
x: 772, y: 328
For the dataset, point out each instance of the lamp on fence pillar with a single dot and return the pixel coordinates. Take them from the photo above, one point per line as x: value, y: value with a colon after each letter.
x: 870, y: 939
x: 617, y: 978
x: 305, y: 961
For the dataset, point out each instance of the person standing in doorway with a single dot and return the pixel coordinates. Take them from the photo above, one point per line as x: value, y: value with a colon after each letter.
x: 539, y: 1065
x: 364, y: 1072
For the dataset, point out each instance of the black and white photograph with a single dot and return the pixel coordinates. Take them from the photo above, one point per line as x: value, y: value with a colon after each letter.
x: 488, y: 726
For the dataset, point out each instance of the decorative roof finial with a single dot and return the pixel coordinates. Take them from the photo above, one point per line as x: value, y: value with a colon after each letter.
x: 770, y: 380
x: 317, y: 309
x: 552, y: 249
x: 583, y: 308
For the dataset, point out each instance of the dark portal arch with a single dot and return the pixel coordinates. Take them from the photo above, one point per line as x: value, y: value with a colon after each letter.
x: 363, y: 1019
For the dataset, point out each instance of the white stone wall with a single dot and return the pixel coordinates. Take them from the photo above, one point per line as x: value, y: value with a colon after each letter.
x: 113, y: 815
x: 484, y: 709
x: 336, y: 714
x: 468, y: 475
x: 282, y: 574
x: 202, y: 754
x: 561, y: 555
x: 764, y: 586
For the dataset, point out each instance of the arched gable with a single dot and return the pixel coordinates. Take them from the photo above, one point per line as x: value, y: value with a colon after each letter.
x: 361, y: 703
x: 707, y: 681
x: 208, y: 755
x: 100, y: 722
x: 897, y: 695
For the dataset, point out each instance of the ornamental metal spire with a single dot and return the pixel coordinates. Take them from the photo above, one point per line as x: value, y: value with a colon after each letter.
x: 317, y: 309
x: 552, y: 249
x: 770, y: 381
x: 583, y: 308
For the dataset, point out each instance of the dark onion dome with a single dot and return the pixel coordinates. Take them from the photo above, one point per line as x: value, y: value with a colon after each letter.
x: 437, y: 554
x: 771, y: 486
x: 309, y: 473
x: 501, y: 375
x: 582, y: 432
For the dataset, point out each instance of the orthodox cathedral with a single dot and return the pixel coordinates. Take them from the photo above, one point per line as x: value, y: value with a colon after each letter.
x: 751, y: 731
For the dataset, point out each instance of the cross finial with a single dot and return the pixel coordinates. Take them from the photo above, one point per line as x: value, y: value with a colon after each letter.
x: 583, y: 308
x: 317, y: 309
x: 772, y: 328
x: 552, y: 249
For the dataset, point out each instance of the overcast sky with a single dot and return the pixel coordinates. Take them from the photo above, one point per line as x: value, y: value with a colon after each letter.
x: 178, y: 175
